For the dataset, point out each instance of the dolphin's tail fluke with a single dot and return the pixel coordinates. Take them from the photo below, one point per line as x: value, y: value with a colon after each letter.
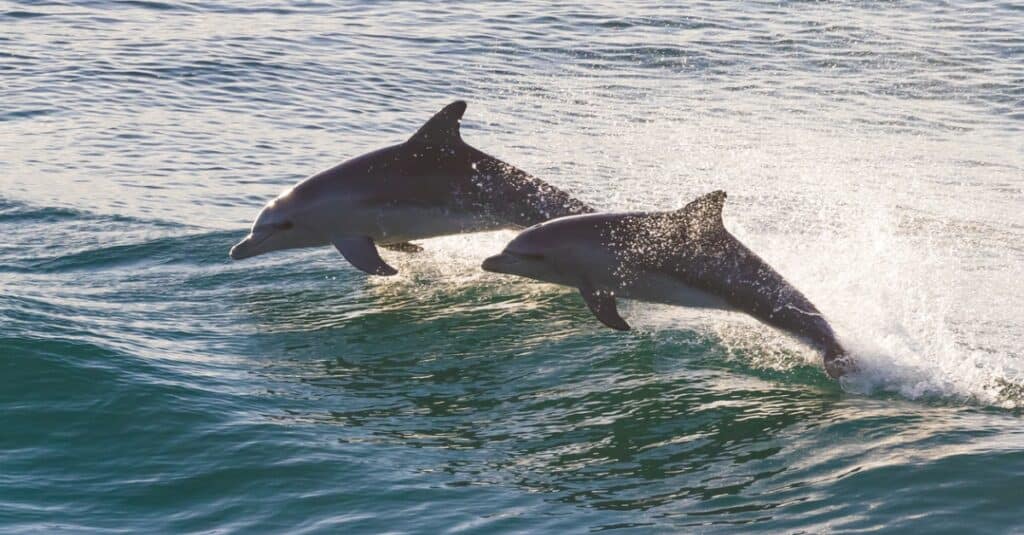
x: 838, y: 362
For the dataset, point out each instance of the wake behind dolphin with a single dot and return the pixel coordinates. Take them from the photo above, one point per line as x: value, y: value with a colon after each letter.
x: 434, y: 184
x: 686, y: 258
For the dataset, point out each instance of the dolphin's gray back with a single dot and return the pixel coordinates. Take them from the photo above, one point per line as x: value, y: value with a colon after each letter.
x: 693, y: 245
x: 729, y: 269
x: 476, y: 182
x: 514, y: 195
x: 436, y: 167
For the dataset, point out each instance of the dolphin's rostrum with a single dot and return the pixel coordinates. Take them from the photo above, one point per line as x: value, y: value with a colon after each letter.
x: 434, y: 184
x: 685, y: 257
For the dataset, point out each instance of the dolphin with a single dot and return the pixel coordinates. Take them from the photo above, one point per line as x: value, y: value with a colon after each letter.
x: 685, y: 257
x: 433, y: 184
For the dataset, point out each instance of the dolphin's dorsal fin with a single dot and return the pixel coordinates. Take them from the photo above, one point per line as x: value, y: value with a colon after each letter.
x: 705, y: 212
x: 443, y: 128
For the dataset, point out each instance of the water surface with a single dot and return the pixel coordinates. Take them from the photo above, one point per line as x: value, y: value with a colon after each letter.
x: 873, y: 153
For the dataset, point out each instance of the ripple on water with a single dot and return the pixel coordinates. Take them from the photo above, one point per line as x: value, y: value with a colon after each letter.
x: 871, y: 152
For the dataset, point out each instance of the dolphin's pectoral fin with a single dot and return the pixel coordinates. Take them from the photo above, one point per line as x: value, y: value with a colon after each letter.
x: 602, y: 304
x: 362, y: 253
x: 403, y: 247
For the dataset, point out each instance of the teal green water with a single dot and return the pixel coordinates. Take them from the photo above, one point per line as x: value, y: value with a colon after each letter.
x: 873, y: 153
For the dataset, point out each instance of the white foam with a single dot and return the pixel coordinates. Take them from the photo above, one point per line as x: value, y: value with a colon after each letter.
x: 910, y: 244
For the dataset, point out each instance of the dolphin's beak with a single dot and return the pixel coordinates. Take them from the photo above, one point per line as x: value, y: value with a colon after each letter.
x: 499, y: 263
x: 242, y: 249
x: 248, y: 247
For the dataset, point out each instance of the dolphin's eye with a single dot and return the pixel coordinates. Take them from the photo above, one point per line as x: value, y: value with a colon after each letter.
x: 284, y: 225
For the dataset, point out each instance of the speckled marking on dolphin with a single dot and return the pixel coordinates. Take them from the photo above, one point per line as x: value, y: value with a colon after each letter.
x: 685, y: 258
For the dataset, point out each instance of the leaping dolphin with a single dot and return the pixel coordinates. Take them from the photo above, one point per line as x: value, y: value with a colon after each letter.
x: 434, y: 184
x: 686, y: 258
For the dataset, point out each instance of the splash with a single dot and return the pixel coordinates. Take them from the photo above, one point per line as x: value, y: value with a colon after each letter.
x: 907, y: 241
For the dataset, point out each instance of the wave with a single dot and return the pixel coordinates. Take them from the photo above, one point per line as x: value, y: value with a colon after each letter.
x: 442, y: 290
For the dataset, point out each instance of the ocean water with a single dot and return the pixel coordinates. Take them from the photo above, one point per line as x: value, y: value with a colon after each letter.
x: 873, y: 153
